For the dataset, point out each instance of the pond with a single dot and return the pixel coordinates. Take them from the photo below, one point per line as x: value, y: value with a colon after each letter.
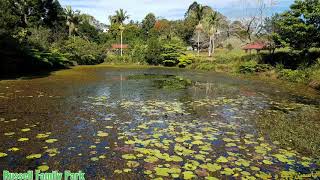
x: 158, y: 123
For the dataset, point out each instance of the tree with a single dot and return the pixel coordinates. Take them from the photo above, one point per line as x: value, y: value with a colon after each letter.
x: 73, y: 20
x: 197, y: 11
x: 148, y: 23
x: 212, y: 21
x: 121, y: 28
x: 119, y: 17
x: 299, y: 27
x: 53, y: 14
x: 89, y: 32
x: 8, y: 19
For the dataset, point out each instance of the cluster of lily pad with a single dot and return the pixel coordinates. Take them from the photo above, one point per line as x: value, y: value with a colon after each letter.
x: 22, y: 138
x: 192, y: 148
x: 170, y: 141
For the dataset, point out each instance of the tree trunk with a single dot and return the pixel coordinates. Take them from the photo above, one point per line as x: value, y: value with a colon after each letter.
x: 210, y: 46
x: 212, y: 39
x: 121, y: 43
x: 198, y: 43
x: 69, y: 31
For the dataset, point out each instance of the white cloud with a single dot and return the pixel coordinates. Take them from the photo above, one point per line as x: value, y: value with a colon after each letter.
x: 171, y: 9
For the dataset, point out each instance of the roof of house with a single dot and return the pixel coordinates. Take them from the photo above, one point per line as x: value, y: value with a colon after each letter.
x: 255, y: 45
x: 118, y: 46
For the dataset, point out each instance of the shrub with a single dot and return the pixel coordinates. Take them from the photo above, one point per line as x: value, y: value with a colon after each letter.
x: 252, y: 67
x: 171, y: 51
x: 299, y: 76
x: 153, y: 52
x: 185, y: 60
x: 138, y: 51
x: 229, y: 47
x: 83, y: 51
x: 117, y: 59
x: 39, y: 38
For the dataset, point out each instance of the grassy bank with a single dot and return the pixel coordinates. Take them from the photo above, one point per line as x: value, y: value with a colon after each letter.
x: 284, y: 65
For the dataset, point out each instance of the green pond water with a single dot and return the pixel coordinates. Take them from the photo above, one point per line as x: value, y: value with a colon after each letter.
x: 158, y: 123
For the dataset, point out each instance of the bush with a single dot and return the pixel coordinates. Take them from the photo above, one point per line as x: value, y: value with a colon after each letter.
x: 138, y: 52
x: 225, y: 57
x: 53, y: 60
x: 117, y: 59
x: 39, y: 38
x: 252, y: 67
x: 153, y: 52
x: 299, y: 76
x: 171, y: 51
x: 291, y: 59
x: 185, y: 60
x: 83, y: 51
x: 229, y: 47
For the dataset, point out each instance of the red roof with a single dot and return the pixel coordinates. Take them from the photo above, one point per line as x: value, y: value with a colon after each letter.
x: 255, y: 45
x: 118, y: 46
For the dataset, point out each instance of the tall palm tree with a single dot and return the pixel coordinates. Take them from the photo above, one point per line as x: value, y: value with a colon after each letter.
x: 121, y: 28
x: 198, y: 11
x: 212, y: 21
x: 73, y: 19
x: 119, y: 18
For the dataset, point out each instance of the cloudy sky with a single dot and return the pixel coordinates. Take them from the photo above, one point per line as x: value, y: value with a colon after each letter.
x: 170, y: 9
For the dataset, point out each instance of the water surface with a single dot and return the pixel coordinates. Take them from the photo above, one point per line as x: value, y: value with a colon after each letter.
x: 147, y: 123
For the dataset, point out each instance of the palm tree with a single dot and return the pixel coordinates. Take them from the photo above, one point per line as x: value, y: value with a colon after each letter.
x: 198, y: 11
x: 212, y: 21
x: 121, y: 28
x: 73, y: 19
x: 119, y: 18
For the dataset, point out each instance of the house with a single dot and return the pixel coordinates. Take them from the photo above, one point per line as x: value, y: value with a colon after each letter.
x: 258, y: 46
x: 118, y: 46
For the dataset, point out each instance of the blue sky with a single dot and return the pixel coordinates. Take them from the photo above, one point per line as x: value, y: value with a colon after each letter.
x: 170, y: 9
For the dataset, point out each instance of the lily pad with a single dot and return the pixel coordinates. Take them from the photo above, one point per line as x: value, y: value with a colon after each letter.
x: 13, y: 149
x: 25, y: 130
x: 162, y: 171
x: 3, y: 154
x: 23, y: 139
x: 40, y: 136
x: 132, y: 164
x: 51, y: 141
x: 34, y: 156
x: 102, y: 134
x: 9, y: 133
x: 188, y: 175
x: 222, y: 159
x: 129, y: 156
x: 43, y: 168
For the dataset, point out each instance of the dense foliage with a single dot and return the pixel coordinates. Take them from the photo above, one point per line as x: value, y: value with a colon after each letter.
x: 299, y: 28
